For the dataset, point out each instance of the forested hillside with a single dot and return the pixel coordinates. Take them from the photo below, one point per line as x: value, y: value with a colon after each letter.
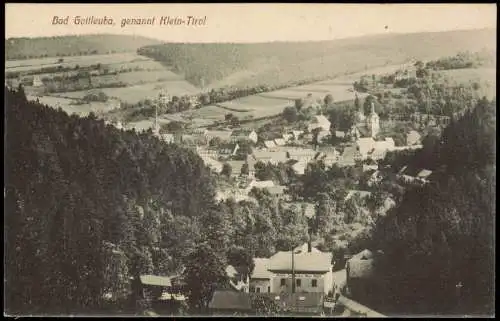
x: 84, y: 202
x: 59, y: 46
x: 438, y: 243
x: 277, y: 62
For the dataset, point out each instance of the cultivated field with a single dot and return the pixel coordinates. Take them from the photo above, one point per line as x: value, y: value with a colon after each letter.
x: 485, y: 77
x: 82, y: 61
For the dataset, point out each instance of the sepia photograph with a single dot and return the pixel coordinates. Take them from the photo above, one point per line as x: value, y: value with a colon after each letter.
x: 249, y: 160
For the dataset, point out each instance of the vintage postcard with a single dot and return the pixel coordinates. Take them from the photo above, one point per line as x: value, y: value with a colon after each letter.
x: 332, y: 160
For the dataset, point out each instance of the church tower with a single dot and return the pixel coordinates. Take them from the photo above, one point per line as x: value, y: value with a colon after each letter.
x: 372, y: 122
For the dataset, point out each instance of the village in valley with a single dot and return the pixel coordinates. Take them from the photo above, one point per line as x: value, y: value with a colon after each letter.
x: 339, y: 178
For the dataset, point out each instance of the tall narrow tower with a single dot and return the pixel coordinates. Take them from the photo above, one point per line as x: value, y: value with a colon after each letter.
x: 373, y: 122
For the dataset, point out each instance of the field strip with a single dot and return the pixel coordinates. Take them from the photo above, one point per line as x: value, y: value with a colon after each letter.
x: 233, y: 109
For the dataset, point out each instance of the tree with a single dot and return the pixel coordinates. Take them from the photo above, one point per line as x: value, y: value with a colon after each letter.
x: 299, y: 103
x: 290, y: 114
x: 174, y: 127
x: 328, y: 100
x: 245, y: 169
x: 204, y: 273
x: 242, y: 258
x: 227, y: 170
x: 215, y: 142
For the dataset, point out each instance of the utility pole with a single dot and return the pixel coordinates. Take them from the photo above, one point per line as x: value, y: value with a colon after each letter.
x: 293, y: 270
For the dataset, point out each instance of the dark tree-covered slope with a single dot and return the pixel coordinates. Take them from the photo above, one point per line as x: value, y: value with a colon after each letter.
x: 30, y: 48
x: 438, y: 243
x: 83, y: 206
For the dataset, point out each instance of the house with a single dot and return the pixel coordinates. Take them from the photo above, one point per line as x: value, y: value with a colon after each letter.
x: 227, y: 302
x: 223, y: 135
x: 207, y: 152
x: 260, y: 184
x: 228, y: 149
x: 279, y: 142
x: 244, y: 134
x: 413, y: 138
x: 361, y: 194
x: 299, y: 167
x: 312, y: 271
x: 349, y: 156
x: 424, y: 174
x: 277, y: 191
x: 269, y: 144
x: 319, y: 121
x: 328, y: 158
x: 322, y: 135
x: 309, y: 210
x: 301, y: 154
x: 37, y: 81
x: 168, y: 138
x: 236, y: 279
x: 297, y: 133
x: 260, y: 280
x: 375, y: 178
x: 365, y: 146
x: 340, y: 134
x: 154, y: 286
x: 370, y: 167
x: 287, y: 137
x: 273, y: 157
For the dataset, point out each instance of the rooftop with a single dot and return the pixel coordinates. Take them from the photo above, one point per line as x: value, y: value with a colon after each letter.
x: 306, y: 261
x: 155, y: 280
x: 260, y: 271
x: 231, y: 300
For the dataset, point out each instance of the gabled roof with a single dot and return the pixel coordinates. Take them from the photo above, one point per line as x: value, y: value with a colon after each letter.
x: 306, y: 262
x: 155, y: 280
x: 231, y: 300
x: 279, y: 141
x: 231, y: 271
x: 269, y: 144
x: 320, y: 119
x: 260, y: 270
x: 261, y: 184
x: 424, y: 173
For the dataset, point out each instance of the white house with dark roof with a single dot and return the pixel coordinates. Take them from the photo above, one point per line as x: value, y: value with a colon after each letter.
x: 313, y: 271
x: 260, y: 280
x: 319, y: 121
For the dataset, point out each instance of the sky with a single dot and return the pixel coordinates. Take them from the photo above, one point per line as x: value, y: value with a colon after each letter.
x: 252, y: 22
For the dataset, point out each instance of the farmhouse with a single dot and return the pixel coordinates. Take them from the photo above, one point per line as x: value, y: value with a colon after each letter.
x: 243, y: 134
x: 260, y: 280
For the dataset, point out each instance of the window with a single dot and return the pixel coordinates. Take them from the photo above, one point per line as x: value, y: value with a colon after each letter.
x: 258, y: 290
x: 299, y: 282
x: 283, y: 282
x: 269, y: 289
x: 252, y: 289
x: 314, y: 283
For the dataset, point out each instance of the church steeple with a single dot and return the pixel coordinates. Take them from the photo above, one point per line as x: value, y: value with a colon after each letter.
x: 372, y: 122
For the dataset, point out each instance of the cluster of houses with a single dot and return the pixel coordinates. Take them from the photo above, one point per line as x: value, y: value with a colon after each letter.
x: 300, y: 282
